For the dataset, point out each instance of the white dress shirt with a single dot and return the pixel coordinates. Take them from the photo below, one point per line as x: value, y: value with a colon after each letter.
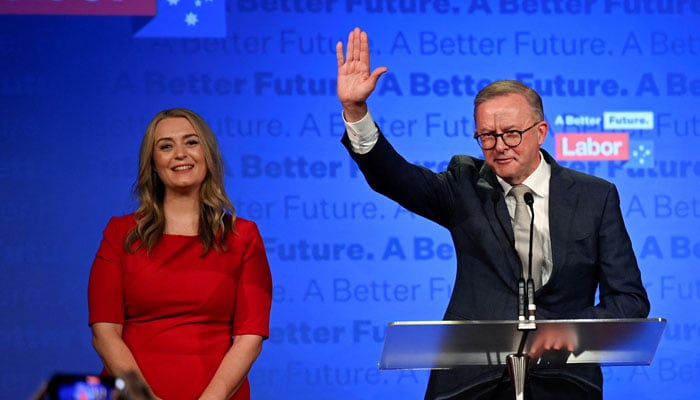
x: 538, y: 182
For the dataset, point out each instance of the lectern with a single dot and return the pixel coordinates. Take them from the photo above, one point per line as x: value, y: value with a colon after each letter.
x: 449, y: 344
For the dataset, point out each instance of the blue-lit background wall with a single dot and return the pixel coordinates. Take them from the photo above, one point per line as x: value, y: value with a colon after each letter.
x: 76, y: 93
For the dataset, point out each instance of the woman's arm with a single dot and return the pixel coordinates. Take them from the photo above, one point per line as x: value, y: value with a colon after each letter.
x: 116, y: 356
x: 233, y: 368
x: 251, y: 321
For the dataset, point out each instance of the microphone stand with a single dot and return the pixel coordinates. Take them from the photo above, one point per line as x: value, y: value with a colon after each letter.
x: 526, y: 290
x: 517, y: 363
x: 531, y: 307
x: 525, y: 316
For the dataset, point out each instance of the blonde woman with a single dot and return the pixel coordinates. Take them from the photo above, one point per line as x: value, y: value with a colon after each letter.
x: 180, y: 291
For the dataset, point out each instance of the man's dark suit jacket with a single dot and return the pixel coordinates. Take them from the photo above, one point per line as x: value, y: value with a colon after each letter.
x: 590, y: 248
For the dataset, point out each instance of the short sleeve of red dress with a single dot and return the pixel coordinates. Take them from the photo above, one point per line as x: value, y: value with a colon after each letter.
x: 254, y: 296
x: 106, y: 283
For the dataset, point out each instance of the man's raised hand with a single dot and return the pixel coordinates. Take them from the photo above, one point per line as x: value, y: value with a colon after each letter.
x: 355, y: 82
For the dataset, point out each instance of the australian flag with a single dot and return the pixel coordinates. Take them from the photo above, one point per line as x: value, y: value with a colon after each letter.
x: 154, y: 18
x: 185, y: 19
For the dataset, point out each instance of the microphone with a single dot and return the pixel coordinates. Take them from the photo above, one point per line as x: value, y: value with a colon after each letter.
x: 531, y: 308
x: 522, y: 293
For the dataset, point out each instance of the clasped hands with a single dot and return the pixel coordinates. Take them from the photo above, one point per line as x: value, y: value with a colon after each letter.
x: 555, y: 337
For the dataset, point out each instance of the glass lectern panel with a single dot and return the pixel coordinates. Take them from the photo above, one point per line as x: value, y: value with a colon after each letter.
x: 448, y: 344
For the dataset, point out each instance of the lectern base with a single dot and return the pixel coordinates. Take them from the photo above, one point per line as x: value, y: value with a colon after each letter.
x: 517, y: 368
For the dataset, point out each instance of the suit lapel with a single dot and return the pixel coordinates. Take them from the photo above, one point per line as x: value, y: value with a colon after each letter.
x: 562, y: 206
x: 494, y: 206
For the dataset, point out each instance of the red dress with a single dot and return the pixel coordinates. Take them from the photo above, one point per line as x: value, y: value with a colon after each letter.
x: 179, y: 309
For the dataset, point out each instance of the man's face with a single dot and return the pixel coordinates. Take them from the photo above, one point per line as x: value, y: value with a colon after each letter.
x: 507, y: 113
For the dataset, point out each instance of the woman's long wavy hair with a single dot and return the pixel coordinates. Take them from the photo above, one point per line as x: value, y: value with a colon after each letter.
x: 214, y: 226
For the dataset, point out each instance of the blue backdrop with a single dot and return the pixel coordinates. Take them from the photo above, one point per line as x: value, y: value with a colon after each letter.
x: 76, y: 93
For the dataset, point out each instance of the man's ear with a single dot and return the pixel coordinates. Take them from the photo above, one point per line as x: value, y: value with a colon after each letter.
x: 542, y: 130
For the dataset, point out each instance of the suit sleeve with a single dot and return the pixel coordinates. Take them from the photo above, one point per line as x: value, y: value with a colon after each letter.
x: 422, y: 191
x: 621, y: 292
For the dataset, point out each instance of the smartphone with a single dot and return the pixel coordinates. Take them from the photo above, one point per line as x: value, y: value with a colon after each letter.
x: 81, y: 387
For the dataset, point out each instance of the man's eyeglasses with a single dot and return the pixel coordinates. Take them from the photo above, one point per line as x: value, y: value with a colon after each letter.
x: 511, y: 138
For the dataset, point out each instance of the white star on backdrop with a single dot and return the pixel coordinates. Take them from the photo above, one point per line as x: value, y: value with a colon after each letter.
x: 191, y: 19
x: 641, y: 153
